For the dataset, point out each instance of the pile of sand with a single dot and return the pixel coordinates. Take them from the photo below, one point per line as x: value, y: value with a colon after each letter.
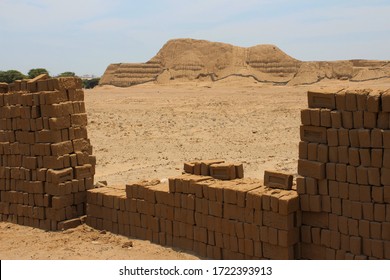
x: 200, y: 60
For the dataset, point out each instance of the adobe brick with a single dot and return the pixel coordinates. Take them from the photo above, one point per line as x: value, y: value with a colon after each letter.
x: 370, y: 120
x: 278, y: 180
x: 321, y: 100
x: 336, y: 119
x: 313, y: 134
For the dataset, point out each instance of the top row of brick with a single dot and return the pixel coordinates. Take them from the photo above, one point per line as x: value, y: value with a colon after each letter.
x: 351, y: 100
x: 42, y: 83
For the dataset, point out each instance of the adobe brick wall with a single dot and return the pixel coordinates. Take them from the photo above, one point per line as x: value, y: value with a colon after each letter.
x: 46, y: 162
x: 344, y: 187
x: 237, y: 219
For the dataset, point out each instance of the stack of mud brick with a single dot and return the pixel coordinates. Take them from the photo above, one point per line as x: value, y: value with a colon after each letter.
x: 216, y: 219
x: 218, y: 169
x: 46, y: 162
x: 344, y: 164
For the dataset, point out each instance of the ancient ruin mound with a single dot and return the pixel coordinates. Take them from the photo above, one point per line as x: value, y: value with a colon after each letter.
x: 189, y: 59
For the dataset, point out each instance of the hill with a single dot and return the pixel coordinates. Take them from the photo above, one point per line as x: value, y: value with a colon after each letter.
x: 189, y: 59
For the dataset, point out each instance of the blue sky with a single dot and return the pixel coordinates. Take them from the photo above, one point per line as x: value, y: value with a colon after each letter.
x: 86, y: 36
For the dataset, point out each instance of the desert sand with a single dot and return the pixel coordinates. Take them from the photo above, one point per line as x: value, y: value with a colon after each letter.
x: 148, y: 131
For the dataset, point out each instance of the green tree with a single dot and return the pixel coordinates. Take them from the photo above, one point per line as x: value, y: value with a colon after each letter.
x: 91, y: 83
x: 67, y: 74
x: 36, y: 72
x: 10, y: 76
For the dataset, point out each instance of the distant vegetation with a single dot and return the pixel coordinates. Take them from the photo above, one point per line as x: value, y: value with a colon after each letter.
x: 67, y: 74
x: 10, y: 76
x: 36, y: 72
x: 91, y: 83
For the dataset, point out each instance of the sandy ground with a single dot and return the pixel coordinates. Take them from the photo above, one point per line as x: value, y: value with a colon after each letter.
x: 148, y: 132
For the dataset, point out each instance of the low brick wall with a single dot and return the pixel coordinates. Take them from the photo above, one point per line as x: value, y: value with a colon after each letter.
x: 237, y: 219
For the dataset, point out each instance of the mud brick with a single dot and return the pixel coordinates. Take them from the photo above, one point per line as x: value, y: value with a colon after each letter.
x: 326, y: 203
x: 332, y: 137
x: 385, y: 233
x: 386, y: 138
x: 336, y: 118
x: 343, y: 224
x: 197, y: 168
x: 205, y: 166
x: 374, y: 176
x: 273, y: 236
x: 333, y: 154
x: 351, y: 174
x: 57, y: 110
x: 322, y: 153
x: 386, y: 101
x: 304, y: 202
x: 312, y: 151
x: 303, y: 150
x: 355, y: 245
x: 377, y: 194
x: 353, y: 227
x: 59, y: 176
x: 326, y: 119
x: 239, y: 170
x: 383, y: 120
x: 54, y: 162
x: 311, y: 169
x: 315, y: 203
x: 377, y: 248
x: 342, y: 154
x: 78, y: 107
x: 365, y: 157
x: 288, y: 204
x: 306, y: 234
x: 350, y: 101
x: 385, y: 176
x: 48, y: 136
x: 386, y: 194
x: 59, y: 123
x: 331, y: 171
x: 354, y: 138
x: 315, y: 117
x: 321, y: 100
x: 59, y: 202
x: 333, y: 187
x: 362, y: 175
x: 305, y: 117
x: 375, y: 230
x: 301, y: 185
x: 364, y: 138
x: 278, y: 221
x: 386, y: 157
x: 81, y: 145
x: 368, y: 211
x: 278, y: 180
x: 313, y: 134
x: 358, y: 119
x: 347, y: 119
x: 223, y: 171
x: 373, y: 101
x: 79, y: 119
x: 356, y: 210
x: 336, y: 205
x: 341, y: 172
x: 376, y: 138
x: 82, y: 172
x: 370, y: 120
x: 365, y: 193
x: 379, y: 212
x: 62, y: 148
x: 189, y: 167
x: 354, y: 192
x: 377, y: 158
x: 364, y: 228
x: 354, y: 157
